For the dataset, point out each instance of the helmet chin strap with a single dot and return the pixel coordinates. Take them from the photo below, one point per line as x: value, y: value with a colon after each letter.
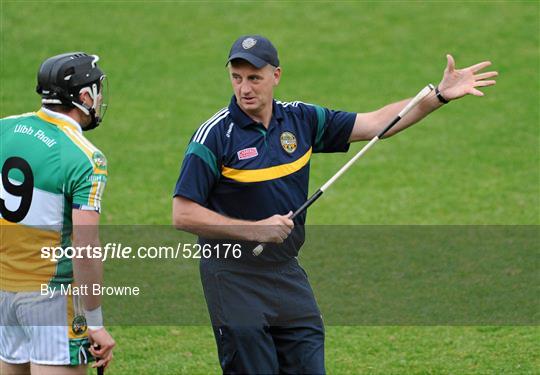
x: 89, y: 110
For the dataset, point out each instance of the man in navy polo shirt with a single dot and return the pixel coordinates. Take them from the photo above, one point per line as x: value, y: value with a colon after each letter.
x: 246, y: 169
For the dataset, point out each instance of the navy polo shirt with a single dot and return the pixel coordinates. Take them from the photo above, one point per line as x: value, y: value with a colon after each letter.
x: 236, y: 167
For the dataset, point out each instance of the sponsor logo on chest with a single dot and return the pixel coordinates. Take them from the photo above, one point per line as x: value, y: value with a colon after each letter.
x: 247, y: 153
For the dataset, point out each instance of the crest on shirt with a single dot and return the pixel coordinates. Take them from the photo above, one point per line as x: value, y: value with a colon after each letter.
x: 78, y: 325
x: 100, y: 161
x: 248, y: 43
x: 288, y: 142
x: 247, y: 153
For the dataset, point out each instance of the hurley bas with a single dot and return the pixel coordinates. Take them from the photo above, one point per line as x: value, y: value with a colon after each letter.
x: 89, y: 290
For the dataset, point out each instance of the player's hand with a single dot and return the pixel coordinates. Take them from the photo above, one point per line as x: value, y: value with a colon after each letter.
x: 273, y: 229
x: 460, y: 82
x: 101, y: 346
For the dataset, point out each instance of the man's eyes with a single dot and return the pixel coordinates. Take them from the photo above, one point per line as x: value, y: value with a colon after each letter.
x: 251, y: 78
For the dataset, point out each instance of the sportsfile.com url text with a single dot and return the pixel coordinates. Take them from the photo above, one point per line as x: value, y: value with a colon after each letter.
x: 118, y: 251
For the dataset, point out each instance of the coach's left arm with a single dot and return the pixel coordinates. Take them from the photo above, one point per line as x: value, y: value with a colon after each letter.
x: 455, y: 84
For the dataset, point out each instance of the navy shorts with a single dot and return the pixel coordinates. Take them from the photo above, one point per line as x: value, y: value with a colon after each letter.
x: 265, y: 317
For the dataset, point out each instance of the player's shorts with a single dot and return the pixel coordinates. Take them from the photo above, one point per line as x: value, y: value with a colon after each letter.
x: 38, y: 329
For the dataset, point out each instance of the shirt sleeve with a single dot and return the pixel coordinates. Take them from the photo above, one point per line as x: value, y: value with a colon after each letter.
x: 331, y: 129
x: 86, y: 182
x: 200, y: 169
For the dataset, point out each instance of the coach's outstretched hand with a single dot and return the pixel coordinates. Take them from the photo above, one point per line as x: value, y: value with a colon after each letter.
x: 457, y: 83
x: 105, y: 344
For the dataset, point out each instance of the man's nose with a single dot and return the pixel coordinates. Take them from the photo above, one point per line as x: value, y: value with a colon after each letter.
x: 245, y: 88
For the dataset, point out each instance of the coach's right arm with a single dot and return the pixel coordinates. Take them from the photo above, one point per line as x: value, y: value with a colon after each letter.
x: 192, y: 217
x: 199, y: 173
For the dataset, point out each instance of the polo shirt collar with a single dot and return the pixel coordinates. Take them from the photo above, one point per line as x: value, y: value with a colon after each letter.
x: 241, y: 119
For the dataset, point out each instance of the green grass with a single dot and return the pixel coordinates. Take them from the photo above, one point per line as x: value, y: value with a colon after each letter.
x: 369, y: 350
x: 475, y: 161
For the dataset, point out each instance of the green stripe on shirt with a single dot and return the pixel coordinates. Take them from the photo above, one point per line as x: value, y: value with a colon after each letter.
x: 205, y: 154
x: 321, y: 119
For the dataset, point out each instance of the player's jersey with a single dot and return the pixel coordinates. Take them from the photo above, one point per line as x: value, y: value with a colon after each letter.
x: 48, y: 168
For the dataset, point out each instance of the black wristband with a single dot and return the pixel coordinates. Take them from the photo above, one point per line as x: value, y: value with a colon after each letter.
x: 441, y: 98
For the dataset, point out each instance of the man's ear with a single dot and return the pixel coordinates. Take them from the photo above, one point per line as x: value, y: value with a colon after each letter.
x: 85, y: 98
x: 277, y: 76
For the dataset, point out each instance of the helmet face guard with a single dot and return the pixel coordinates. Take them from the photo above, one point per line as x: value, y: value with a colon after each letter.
x: 98, y: 92
x: 63, y: 78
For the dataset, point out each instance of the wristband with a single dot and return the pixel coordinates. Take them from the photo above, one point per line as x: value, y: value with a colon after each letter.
x: 441, y: 98
x: 94, y: 318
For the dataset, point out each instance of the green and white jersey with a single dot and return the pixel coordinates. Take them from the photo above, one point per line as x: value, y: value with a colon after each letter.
x: 48, y: 168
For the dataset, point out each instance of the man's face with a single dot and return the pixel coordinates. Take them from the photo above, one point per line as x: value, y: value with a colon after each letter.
x: 253, y: 88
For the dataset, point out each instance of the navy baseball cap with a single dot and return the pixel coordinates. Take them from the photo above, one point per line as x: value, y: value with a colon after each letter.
x: 255, y: 49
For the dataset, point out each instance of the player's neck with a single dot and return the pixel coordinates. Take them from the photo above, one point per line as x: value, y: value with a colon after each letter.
x: 75, y: 115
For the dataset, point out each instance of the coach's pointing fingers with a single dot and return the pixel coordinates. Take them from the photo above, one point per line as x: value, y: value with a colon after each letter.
x: 457, y: 83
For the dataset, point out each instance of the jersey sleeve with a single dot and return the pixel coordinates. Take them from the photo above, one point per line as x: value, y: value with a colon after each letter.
x: 201, y: 167
x: 330, y: 129
x: 86, y: 182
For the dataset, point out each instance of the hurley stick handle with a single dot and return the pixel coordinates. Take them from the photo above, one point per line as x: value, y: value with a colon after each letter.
x: 419, y: 97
